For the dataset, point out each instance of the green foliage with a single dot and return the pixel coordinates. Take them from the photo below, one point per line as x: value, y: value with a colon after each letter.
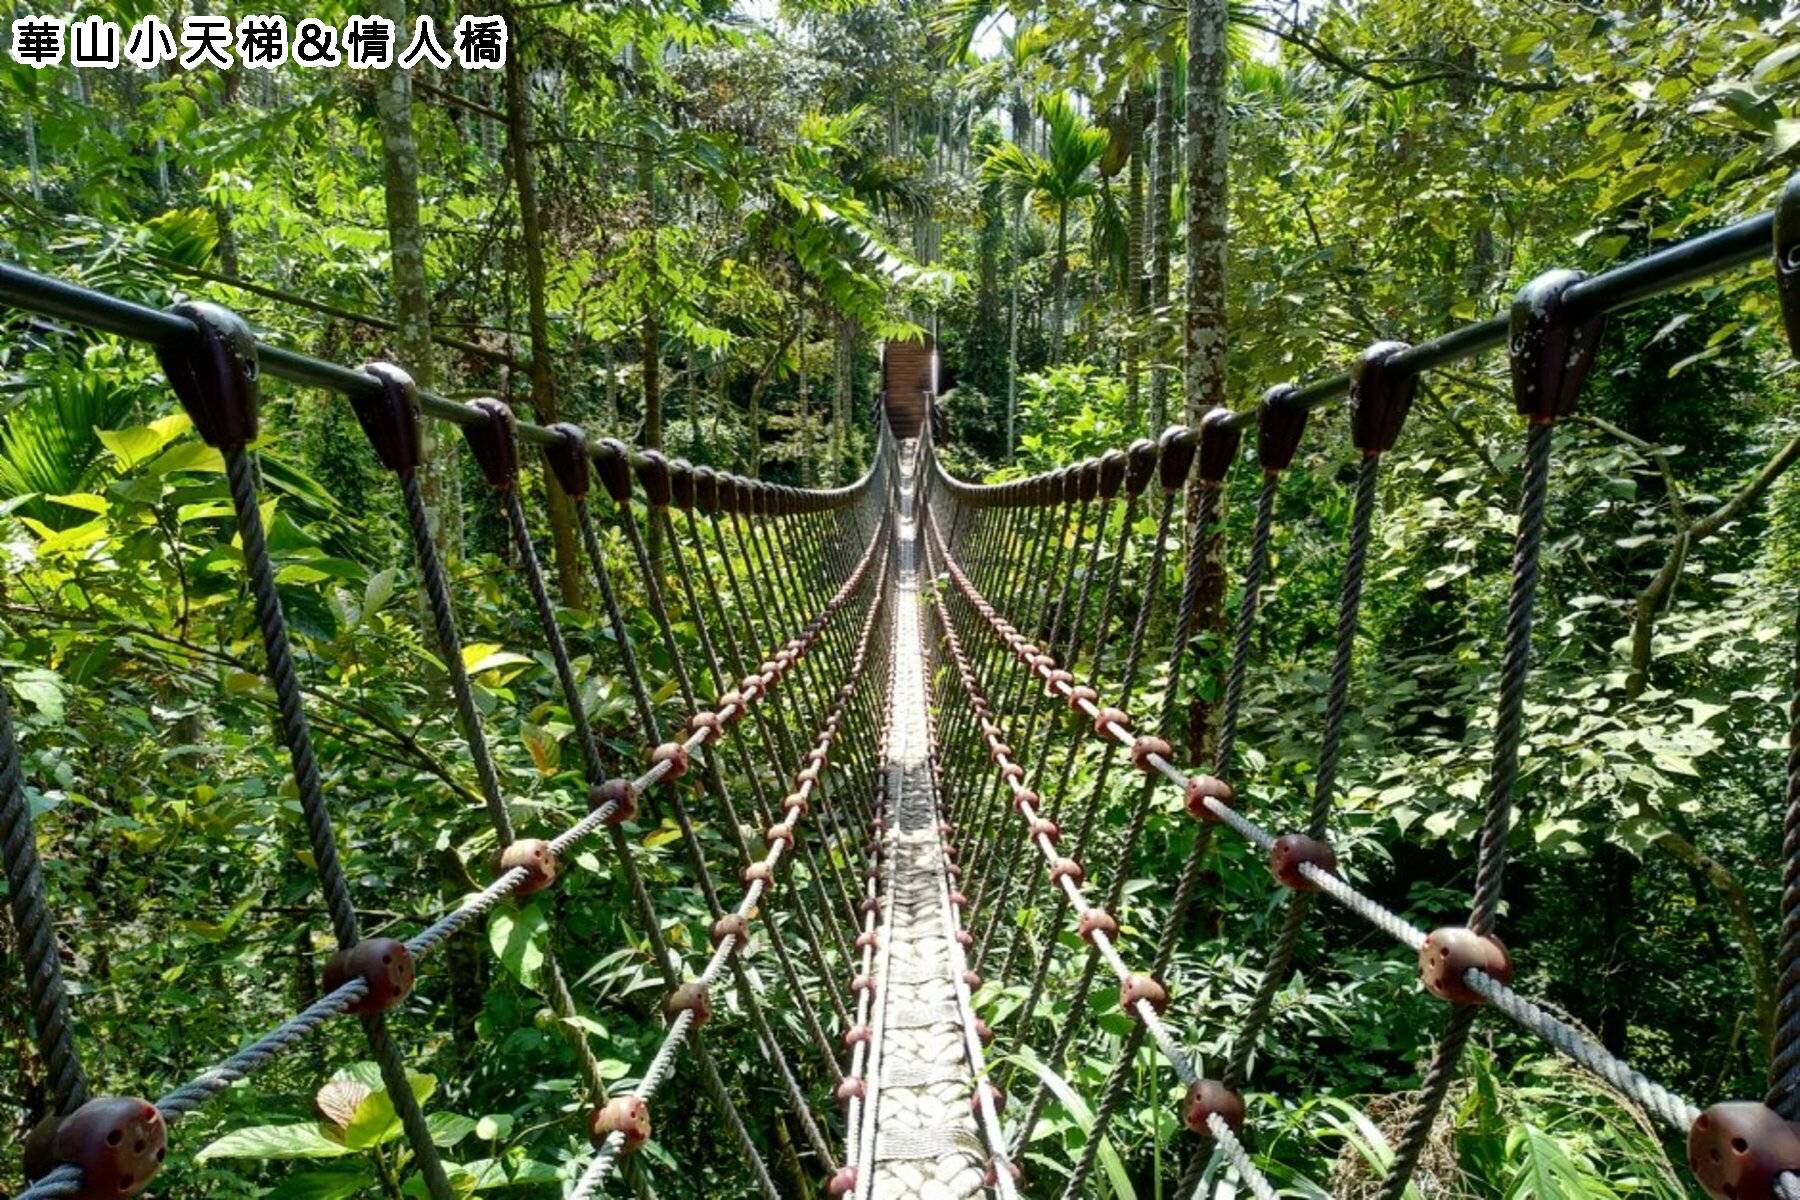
x: 1397, y: 168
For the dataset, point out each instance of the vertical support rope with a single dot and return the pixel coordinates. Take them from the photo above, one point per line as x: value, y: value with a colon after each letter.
x: 1248, y: 606
x: 1343, y: 651
x: 450, y: 646
x: 1784, y: 1066
x: 1509, y: 724
x: 32, y: 918
x: 295, y: 733
x: 1350, y: 581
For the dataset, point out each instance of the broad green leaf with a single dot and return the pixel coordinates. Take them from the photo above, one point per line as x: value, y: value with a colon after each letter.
x: 486, y: 657
x: 380, y: 589
x: 85, y: 501
x: 511, y: 1171
x: 188, y: 456
x: 517, y: 937
x: 375, y: 1121
x: 338, y: 1099
x: 72, y: 540
x: 325, y: 1183
x: 275, y: 1143
x: 448, y: 1128
x: 140, y: 443
x: 545, y: 748
x: 42, y: 688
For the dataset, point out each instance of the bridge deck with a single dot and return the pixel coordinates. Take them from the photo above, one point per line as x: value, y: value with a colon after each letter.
x: 925, y: 1142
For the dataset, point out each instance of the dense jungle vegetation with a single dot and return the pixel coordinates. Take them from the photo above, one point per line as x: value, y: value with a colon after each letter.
x: 691, y: 226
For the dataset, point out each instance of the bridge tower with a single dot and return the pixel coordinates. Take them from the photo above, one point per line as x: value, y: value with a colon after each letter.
x: 909, y: 372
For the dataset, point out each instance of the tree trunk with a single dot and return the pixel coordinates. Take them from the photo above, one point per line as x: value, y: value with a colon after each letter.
x: 543, y: 378
x: 438, y: 477
x: 1162, y: 198
x: 803, y: 396
x: 842, y: 382
x: 609, y: 413
x: 1134, y: 259
x: 1207, y: 197
x: 1060, y: 283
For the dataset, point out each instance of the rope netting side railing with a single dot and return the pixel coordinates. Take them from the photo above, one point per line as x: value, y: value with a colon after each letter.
x: 1298, y: 863
x: 625, y: 1120
x: 1010, y: 555
x: 789, y: 560
x: 1141, y: 997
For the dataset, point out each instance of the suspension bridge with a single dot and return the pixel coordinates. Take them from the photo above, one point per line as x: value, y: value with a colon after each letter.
x: 905, y: 698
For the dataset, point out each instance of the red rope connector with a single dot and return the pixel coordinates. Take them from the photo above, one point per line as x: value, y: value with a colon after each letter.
x: 620, y: 793
x: 1142, y: 987
x: 1448, y: 955
x: 535, y: 857
x: 1294, y: 850
x: 1144, y: 747
x: 1737, y: 1150
x: 1067, y: 868
x: 628, y: 1116
x: 990, y: 1178
x: 1111, y: 716
x: 383, y: 963
x: 117, y: 1141
x: 843, y: 1182
x: 1081, y: 692
x: 868, y: 939
x: 851, y: 1088
x: 734, y: 925
x: 1097, y: 920
x: 1024, y: 797
x: 692, y: 998
x: 994, y: 1094
x: 1045, y: 828
x: 858, y: 1035
x: 759, y: 872
x: 676, y: 755
x: 1207, y: 1098
x: 1200, y: 789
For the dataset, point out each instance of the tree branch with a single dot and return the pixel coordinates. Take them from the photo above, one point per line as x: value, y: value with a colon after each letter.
x: 1440, y: 71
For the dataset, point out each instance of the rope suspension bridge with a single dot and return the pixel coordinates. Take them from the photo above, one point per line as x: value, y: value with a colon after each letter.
x: 907, y: 698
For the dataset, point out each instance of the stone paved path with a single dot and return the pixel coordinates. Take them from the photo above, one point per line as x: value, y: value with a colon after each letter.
x: 926, y: 1142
